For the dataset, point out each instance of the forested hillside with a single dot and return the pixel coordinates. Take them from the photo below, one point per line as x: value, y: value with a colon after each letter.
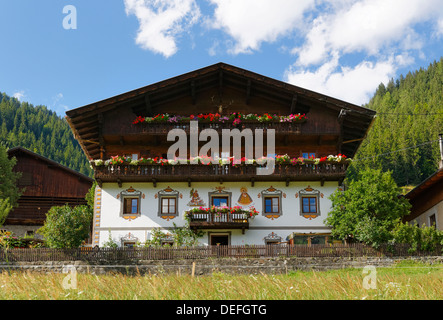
x: 405, y: 133
x: 41, y: 131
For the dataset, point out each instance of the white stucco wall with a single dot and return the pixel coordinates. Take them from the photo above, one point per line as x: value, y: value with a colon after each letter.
x: 109, y: 221
x: 424, y: 218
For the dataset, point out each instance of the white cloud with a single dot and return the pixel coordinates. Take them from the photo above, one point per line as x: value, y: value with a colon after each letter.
x: 367, y: 25
x: 251, y: 22
x: 161, y: 22
x: 19, y: 95
x: 353, y: 84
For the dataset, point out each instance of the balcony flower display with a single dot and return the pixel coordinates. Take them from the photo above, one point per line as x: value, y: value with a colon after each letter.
x: 206, y: 160
x: 236, y: 212
x: 235, y: 118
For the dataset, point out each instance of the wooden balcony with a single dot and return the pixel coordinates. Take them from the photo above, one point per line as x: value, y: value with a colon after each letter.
x: 210, y: 220
x: 284, y: 128
x: 324, y: 171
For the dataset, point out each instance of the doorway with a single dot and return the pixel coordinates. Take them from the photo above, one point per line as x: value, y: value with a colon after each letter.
x: 219, y: 239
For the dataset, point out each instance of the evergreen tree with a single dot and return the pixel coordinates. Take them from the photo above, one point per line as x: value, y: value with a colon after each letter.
x: 41, y: 131
x: 409, y: 117
x: 9, y: 192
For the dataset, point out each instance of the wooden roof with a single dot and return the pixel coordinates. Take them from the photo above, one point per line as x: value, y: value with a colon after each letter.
x: 85, y: 121
x: 426, y: 185
x: 16, y: 151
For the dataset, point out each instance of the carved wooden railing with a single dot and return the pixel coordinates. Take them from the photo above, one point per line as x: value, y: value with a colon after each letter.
x: 211, y: 219
x: 161, y: 128
x: 200, y: 172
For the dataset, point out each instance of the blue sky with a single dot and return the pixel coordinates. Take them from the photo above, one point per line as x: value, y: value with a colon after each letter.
x: 342, y: 48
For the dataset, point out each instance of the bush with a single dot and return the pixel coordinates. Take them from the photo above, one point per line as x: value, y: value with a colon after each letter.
x: 419, y: 238
x: 66, y: 227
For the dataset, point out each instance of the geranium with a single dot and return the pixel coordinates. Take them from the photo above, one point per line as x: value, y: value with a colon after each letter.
x: 207, y: 160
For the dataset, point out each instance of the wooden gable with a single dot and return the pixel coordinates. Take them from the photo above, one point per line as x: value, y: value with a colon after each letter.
x: 46, y: 183
x: 104, y: 127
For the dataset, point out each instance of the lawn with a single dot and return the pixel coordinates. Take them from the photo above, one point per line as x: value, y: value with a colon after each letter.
x: 404, y: 281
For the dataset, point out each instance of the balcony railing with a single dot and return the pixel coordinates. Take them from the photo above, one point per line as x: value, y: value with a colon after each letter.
x: 212, y: 220
x: 294, y: 128
x: 324, y: 171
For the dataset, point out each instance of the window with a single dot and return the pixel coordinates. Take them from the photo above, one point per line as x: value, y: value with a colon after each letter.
x: 130, y: 206
x: 220, y: 198
x: 220, y: 201
x: 129, y: 244
x: 129, y: 241
x: 272, y: 204
x: 432, y: 221
x: 309, y: 205
x: 169, y: 205
x: 308, y: 155
x: 309, y: 202
x: 130, y: 203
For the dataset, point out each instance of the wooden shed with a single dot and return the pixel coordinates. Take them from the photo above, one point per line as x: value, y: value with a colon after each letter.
x: 46, y: 183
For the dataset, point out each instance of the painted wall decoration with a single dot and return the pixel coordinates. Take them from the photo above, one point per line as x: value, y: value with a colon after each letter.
x: 196, y: 201
x: 244, y: 199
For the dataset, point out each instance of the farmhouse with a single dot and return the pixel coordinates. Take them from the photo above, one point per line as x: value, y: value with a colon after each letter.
x: 310, y: 138
x: 46, y: 183
x: 427, y: 198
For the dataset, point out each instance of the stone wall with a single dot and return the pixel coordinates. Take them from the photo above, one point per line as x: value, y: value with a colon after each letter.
x: 209, y: 266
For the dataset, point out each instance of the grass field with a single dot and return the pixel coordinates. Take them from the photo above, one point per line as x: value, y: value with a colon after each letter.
x: 404, y: 281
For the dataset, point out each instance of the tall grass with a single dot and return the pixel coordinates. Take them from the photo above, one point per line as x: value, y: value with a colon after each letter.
x: 404, y: 281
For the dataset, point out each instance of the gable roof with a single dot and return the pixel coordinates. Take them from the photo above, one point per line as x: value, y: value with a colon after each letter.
x: 13, y: 152
x: 84, y: 121
x: 426, y: 185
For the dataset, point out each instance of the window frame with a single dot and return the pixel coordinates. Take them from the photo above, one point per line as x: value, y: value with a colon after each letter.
x: 220, y: 194
x: 168, y: 193
x: 130, y: 194
x: 272, y: 197
x: 310, y: 193
x: 169, y: 205
x: 272, y: 193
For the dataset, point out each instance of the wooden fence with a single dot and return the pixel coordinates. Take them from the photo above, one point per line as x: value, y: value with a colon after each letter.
x: 204, y: 252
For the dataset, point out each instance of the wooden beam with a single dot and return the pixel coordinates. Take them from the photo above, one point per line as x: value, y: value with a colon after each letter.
x: 100, y: 135
x: 353, y: 140
x: 148, y: 106
x: 293, y: 104
x: 248, y: 91
x: 340, y: 119
x: 194, y: 99
x: 220, y: 85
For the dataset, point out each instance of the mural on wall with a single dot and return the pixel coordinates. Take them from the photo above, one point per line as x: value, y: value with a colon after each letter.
x: 196, y: 201
x: 244, y: 199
